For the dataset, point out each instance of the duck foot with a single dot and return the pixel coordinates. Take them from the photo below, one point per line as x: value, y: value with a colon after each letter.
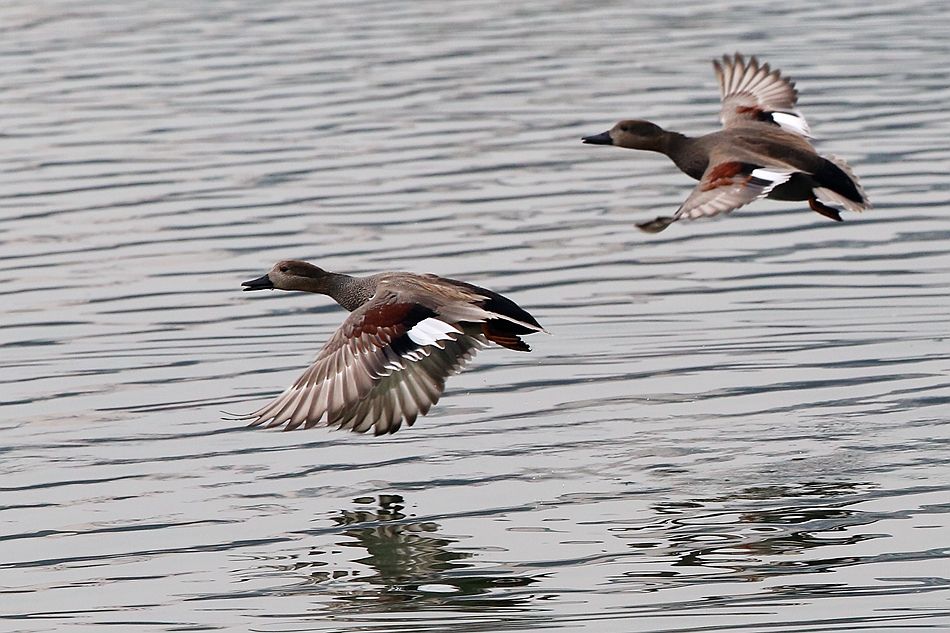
x: 824, y: 210
x: 657, y: 225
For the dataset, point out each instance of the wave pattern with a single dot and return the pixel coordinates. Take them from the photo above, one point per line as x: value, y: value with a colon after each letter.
x: 740, y: 425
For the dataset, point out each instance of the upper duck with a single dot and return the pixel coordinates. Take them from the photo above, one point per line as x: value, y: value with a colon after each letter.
x: 762, y: 150
x: 388, y: 362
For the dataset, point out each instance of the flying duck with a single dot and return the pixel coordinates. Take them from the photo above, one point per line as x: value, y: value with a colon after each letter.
x: 387, y: 363
x: 762, y: 150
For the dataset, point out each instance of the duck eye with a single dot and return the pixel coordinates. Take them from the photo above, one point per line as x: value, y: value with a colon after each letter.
x: 283, y: 269
x: 624, y: 128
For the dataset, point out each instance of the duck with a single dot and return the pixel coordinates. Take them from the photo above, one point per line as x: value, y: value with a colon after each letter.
x: 387, y: 363
x: 762, y: 151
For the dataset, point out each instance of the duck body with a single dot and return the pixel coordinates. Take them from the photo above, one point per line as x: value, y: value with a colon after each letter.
x: 387, y: 364
x: 763, y: 150
x: 770, y: 148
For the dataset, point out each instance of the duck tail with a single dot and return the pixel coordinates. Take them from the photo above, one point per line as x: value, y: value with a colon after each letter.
x: 838, y: 184
x: 500, y: 332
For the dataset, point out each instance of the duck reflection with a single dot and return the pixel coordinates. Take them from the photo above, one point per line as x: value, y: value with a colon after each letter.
x: 724, y: 538
x: 408, y: 561
x: 401, y: 552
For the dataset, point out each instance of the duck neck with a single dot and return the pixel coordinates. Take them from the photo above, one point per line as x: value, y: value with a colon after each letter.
x: 679, y: 148
x: 350, y: 292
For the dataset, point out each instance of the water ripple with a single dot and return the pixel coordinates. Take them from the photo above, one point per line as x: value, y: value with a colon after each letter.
x: 738, y: 425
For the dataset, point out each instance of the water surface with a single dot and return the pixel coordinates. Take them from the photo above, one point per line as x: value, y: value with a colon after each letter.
x: 738, y: 425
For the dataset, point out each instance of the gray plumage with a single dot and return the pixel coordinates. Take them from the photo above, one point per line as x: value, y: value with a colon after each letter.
x: 387, y: 364
x: 762, y: 150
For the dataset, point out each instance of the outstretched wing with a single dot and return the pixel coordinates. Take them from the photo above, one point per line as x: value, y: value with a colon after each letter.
x: 386, y: 364
x: 724, y: 187
x: 754, y: 93
x: 409, y: 392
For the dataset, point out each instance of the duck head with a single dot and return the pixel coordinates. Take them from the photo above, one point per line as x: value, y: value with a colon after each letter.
x: 632, y: 134
x: 291, y: 275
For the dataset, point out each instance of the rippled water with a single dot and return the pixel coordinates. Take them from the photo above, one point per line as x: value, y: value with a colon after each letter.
x: 740, y: 424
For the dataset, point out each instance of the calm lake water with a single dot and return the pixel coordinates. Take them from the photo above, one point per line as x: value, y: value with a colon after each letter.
x: 741, y: 424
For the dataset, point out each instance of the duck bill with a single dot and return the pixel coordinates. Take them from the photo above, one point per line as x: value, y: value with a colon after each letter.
x: 261, y: 283
x: 599, y: 139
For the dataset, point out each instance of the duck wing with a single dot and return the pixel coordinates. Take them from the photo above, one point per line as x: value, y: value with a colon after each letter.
x: 753, y: 93
x: 724, y: 187
x: 386, y: 364
x: 502, y: 320
x: 409, y: 392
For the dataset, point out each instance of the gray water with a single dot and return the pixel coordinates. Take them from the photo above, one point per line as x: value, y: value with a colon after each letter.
x: 738, y: 425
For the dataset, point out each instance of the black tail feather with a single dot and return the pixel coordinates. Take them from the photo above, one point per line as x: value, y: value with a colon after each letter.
x: 830, y: 176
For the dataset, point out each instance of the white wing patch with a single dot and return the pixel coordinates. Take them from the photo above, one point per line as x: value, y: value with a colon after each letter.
x: 705, y: 202
x: 792, y: 121
x: 771, y: 178
x: 430, y: 331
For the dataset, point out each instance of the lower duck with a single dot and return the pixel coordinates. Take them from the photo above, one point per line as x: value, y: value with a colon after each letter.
x: 387, y: 364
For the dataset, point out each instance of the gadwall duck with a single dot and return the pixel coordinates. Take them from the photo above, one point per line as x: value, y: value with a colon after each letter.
x: 761, y: 152
x: 388, y: 362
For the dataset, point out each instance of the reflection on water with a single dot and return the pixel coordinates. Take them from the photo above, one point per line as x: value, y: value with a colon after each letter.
x: 738, y: 425
x: 404, y: 554
x: 389, y: 562
x: 751, y: 549
x: 753, y: 544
